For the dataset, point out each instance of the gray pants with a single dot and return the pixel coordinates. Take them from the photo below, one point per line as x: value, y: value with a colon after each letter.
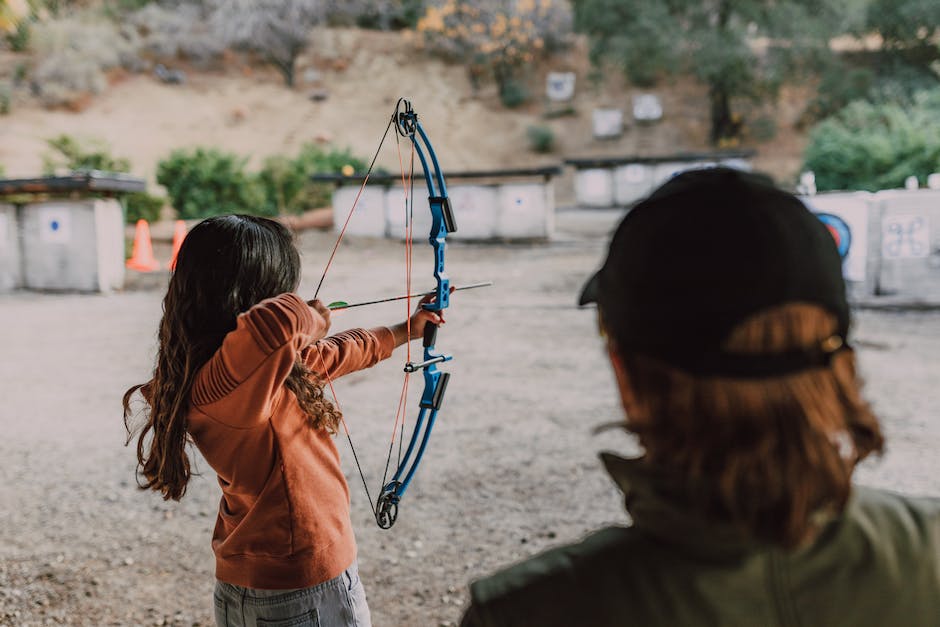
x: 339, y: 602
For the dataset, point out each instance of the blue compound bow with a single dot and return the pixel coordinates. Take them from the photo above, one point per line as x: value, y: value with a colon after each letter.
x: 406, y: 123
x: 435, y: 381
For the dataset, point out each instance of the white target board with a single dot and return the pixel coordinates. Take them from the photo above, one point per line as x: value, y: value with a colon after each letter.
x: 905, y: 236
x: 55, y: 225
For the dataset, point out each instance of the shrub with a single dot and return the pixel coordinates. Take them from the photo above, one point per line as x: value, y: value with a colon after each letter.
x: 876, y: 146
x: 205, y: 182
x: 837, y: 88
x: 277, y: 30
x: 142, y: 206
x: 74, y: 55
x: 19, y: 38
x: 541, y: 138
x: 513, y: 93
x: 175, y: 32
x: 72, y: 154
x: 376, y: 14
x: 286, y: 182
x: 495, y: 38
x: 6, y: 98
x: 12, y: 14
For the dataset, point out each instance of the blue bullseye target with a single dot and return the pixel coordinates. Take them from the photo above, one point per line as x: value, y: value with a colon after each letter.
x: 839, y: 230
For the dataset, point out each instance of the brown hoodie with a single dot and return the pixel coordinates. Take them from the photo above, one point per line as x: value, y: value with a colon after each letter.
x: 284, y: 515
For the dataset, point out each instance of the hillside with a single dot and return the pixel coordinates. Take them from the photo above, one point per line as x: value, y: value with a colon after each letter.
x: 247, y: 109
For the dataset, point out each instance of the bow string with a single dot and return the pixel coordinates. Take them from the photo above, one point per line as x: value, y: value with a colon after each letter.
x: 408, y: 127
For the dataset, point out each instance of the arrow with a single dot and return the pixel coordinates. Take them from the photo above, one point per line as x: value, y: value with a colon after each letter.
x: 344, y: 305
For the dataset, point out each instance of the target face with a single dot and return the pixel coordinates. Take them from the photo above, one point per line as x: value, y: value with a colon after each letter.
x: 839, y: 230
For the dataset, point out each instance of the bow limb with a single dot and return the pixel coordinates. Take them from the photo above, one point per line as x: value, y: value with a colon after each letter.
x: 435, y: 381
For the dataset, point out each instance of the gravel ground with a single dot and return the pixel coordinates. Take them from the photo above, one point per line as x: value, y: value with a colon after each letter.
x: 511, y: 470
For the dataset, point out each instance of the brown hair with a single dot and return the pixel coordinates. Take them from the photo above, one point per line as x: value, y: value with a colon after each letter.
x: 226, y: 265
x: 775, y: 452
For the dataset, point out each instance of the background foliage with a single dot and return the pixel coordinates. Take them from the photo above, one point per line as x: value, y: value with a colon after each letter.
x: 650, y: 39
x: 205, y: 182
x: 287, y: 185
x: 496, y: 39
x: 870, y: 146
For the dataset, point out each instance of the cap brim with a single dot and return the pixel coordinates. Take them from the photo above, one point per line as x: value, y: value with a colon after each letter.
x: 590, y: 291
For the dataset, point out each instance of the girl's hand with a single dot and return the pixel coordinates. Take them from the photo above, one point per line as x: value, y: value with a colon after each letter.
x: 421, y: 317
x: 419, y: 320
x: 323, y: 312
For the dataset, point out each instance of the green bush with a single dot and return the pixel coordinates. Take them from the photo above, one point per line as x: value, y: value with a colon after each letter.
x: 286, y: 182
x: 513, y: 93
x: 19, y: 39
x: 838, y: 87
x: 206, y: 182
x: 870, y: 146
x: 6, y: 98
x: 72, y: 154
x: 541, y: 138
x: 142, y: 206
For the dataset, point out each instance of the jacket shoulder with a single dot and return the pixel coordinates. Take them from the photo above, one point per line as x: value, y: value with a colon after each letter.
x: 905, y: 525
x: 567, y: 585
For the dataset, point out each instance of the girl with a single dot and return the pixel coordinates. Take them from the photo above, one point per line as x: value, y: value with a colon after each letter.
x: 240, y: 371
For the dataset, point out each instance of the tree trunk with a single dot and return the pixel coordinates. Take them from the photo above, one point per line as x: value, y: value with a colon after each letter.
x: 285, y: 67
x: 723, y: 125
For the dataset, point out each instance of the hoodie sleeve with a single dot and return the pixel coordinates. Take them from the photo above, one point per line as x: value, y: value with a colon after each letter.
x: 241, y: 382
x: 349, y: 351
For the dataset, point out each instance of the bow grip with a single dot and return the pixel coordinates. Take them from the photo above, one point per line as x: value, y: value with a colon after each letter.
x: 430, y: 334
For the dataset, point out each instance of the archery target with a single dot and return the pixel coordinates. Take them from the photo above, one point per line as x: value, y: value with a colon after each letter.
x: 55, y: 225
x: 840, y: 231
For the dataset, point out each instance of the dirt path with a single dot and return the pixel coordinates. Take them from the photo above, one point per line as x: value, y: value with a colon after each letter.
x: 512, y: 467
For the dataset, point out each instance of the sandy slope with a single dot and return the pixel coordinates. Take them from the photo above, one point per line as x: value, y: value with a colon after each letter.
x: 249, y: 111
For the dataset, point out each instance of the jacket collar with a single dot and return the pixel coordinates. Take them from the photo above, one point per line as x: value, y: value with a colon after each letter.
x: 664, y: 507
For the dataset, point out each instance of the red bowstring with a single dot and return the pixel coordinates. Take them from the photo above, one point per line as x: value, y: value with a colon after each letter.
x: 402, y: 411
x: 409, y: 242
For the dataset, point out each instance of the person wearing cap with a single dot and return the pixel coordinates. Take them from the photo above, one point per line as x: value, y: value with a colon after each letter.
x: 724, y: 314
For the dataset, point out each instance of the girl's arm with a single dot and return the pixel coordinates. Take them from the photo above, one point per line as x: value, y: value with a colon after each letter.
x: 241, y: 381
x: 357, y: 349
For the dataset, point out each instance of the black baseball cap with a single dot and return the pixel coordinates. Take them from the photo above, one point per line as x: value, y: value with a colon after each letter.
x: 702, y: 253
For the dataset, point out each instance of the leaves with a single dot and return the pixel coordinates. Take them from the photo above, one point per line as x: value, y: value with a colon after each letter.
x: 871, y: 147
x: 207, y: 182
x: 713, y: 41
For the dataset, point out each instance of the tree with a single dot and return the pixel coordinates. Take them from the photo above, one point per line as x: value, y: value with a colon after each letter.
x: 905, y: 23
x: 715, y: 41
x: 278, y: 30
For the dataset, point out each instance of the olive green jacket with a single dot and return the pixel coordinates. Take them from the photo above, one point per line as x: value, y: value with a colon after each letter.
x: 877, y: 564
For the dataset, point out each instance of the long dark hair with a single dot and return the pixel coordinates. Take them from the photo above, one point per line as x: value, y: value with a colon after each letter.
x: 226, y: 265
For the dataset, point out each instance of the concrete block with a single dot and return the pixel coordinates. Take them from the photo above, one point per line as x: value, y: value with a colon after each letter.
x: 395, y: 210
x: 632, y: 182
x: 594, y: 187
x: 910, y: 244
x: 847, y: 217
x: 607, y: 123
x: 559, y: 86
x: 526, y: 211
x: 368, y: 219
x: 11, y: 270
x: 476, y: 208
x: 73, y: 245
x: 647, y: 108
x: 662, y: 172
x: 737, y: 164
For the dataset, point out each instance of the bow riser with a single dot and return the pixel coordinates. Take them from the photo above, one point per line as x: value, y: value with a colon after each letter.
x: 435, y: 382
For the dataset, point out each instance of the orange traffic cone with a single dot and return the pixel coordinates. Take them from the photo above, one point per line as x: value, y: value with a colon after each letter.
x: 142, y: 258
x: 179, y: 234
